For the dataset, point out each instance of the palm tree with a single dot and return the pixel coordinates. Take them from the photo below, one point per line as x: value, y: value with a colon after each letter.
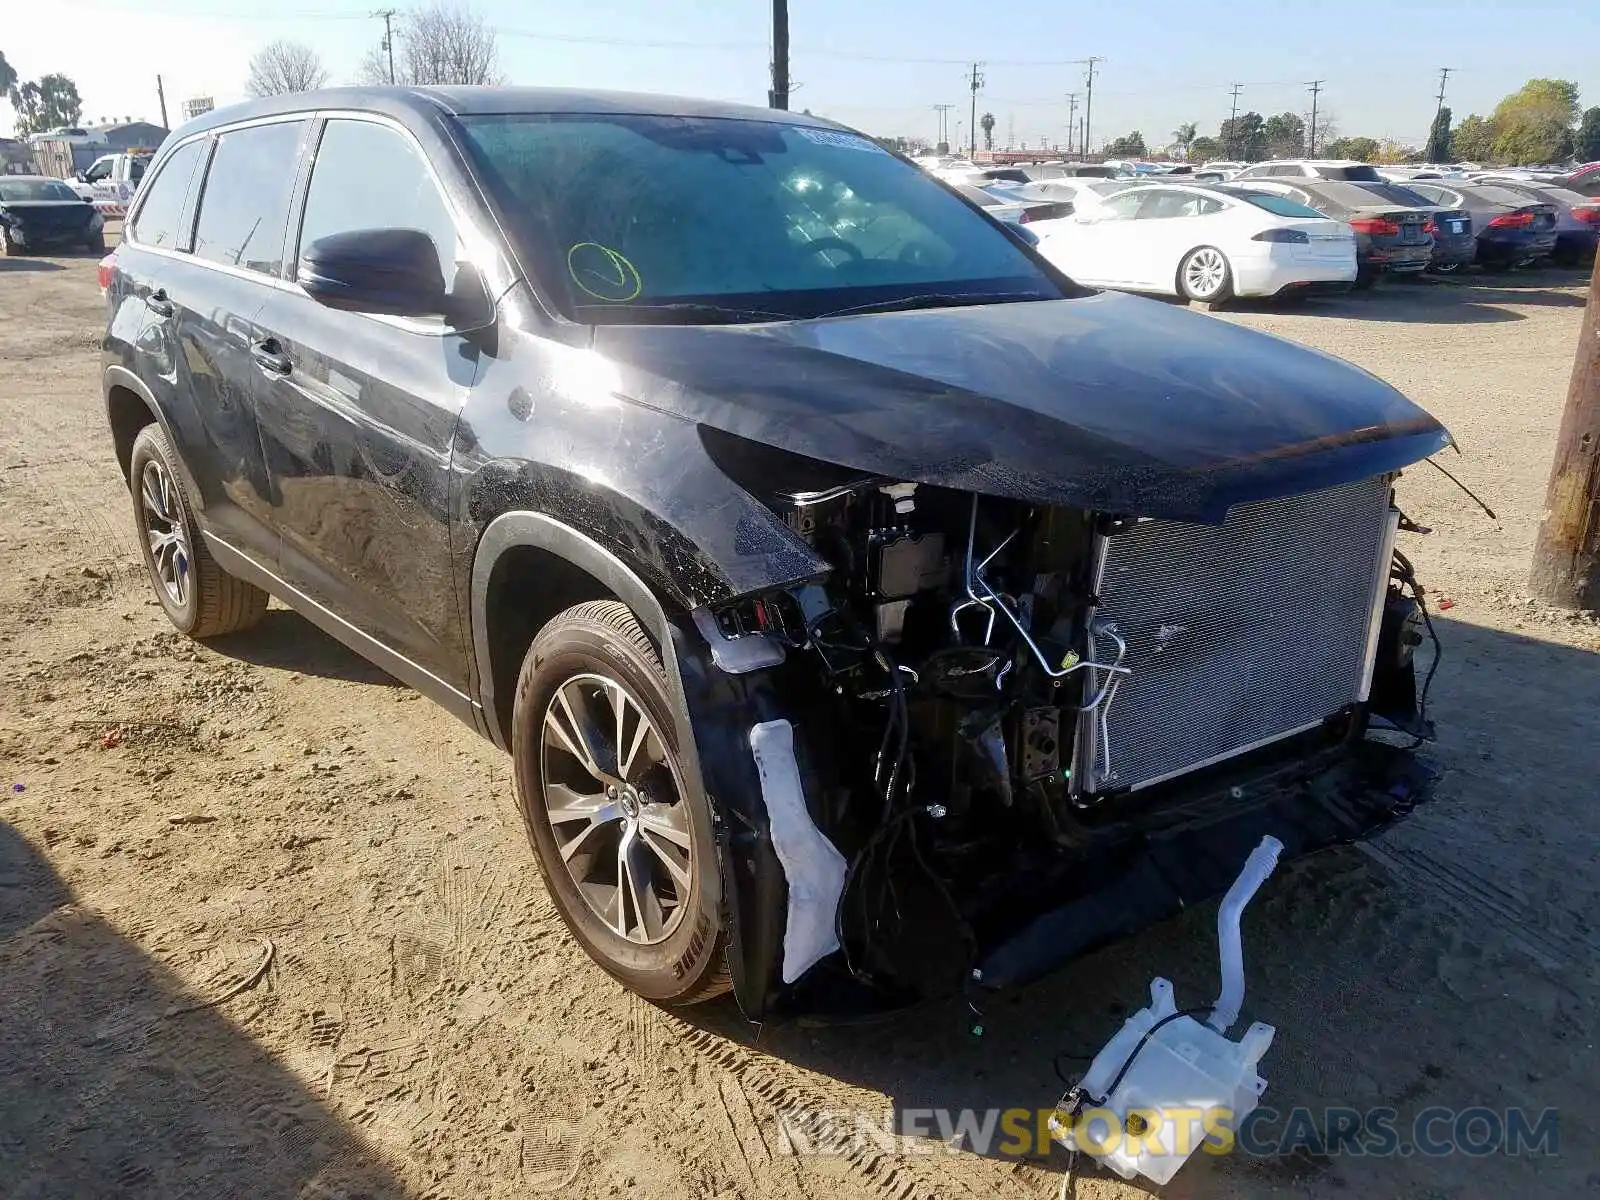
x: 986, y: 123
x: 1184, y: 136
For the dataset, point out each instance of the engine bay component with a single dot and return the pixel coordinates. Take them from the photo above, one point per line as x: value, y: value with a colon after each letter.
x: 1236, y: 636
x: 1164, y: 1068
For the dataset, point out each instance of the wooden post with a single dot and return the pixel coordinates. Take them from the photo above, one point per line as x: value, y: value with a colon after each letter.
x: 778, y: 97
x: 1566, y: 558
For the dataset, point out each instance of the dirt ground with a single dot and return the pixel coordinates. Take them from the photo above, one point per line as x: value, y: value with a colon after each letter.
x: 269, y: 925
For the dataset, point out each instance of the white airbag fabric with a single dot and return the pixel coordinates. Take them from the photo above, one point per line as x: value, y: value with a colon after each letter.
x: 814, y: 870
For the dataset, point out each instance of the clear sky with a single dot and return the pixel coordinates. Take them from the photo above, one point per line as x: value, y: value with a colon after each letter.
x: 882, y: 64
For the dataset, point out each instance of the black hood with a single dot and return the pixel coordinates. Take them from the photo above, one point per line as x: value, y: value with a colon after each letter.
x: 1106, y: 402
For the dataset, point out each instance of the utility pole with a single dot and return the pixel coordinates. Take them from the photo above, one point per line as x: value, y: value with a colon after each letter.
x: 1314, y: 87
x: 976, y: 82
x: 388, y: 15
x: 161, y: 97
x: 1088, y: 103
x: 1444, y: 74
x: 1566, y: 557
x: 779, y: 96
x: 1072, y: 119
x: 944, y: 127
x: 1233, y: 122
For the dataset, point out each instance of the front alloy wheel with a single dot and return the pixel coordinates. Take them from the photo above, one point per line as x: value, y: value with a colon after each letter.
x: 626, y: 847
x: 616, y: 809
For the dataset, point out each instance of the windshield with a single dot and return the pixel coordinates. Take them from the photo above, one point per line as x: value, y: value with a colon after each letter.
x: 1398, y: 193
x: 1501, y: 195
x: 19, y: 191
x: 631, y: 213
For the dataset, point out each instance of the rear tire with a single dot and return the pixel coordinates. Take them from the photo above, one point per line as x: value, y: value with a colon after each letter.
x: 627, y: 851
x: 199, y: 597
x: 1205, y: 276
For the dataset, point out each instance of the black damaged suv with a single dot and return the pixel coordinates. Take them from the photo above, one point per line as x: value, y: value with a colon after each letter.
x: 809, y: 542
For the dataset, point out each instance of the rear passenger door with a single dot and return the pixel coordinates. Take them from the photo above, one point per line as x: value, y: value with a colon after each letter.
x: 203, y: 287
x: 359, y: 414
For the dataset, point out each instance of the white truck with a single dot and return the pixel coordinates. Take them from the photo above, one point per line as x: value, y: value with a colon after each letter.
x: 111, y: 180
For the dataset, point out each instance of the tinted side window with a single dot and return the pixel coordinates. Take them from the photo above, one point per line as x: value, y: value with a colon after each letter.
x: 245, y: 204
x: 368, y: 176
x: 1164, y: 204
x: 161, y: 213
x: 1118, y: 208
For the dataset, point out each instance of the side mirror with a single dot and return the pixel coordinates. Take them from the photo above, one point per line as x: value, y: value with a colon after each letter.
x: 391, y: 271
x: 81, y: 176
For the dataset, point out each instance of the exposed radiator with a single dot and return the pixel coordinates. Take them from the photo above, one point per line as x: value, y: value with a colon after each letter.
x: 1237, y: 634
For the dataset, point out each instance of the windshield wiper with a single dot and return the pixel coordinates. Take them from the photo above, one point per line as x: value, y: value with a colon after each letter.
x: 693, y: 312
x: 935, y: 300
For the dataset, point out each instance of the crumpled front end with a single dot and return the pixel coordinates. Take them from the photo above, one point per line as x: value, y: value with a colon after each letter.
x: 1023, y: 731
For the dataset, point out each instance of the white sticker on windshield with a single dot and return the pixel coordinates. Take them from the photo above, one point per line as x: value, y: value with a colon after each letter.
x: 840, y: 139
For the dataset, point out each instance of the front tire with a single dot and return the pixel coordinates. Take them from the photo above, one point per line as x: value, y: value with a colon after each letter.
x: 1204, y: 275
x: 198, y: 596
x: 8, y: 245
x: 627, y: 851
x: 95, y: 243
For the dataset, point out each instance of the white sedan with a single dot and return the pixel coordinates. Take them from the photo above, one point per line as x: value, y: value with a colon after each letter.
x: 1205, y: 243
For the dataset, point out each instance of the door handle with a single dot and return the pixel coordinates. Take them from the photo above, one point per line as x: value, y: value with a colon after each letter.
x: 158, y: 303
x: 270, y: 357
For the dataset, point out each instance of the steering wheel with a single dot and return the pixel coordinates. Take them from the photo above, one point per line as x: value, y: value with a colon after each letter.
x: 818, y: 245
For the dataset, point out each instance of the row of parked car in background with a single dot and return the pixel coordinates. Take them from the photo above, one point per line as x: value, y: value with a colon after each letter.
x: 1285, y: 228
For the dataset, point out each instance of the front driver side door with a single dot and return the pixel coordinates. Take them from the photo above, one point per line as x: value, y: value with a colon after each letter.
x: 359, y: 414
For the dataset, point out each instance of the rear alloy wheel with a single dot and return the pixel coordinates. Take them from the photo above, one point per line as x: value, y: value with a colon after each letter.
x: 1205, y: 275
x: 198, y: 596
x: 626, y: 849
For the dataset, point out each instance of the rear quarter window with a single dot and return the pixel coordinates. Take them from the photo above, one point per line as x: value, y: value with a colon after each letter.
x: 159, y: 221
x: 1281, y: 206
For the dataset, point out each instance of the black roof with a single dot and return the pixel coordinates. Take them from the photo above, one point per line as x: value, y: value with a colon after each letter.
x: 426, y: 102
